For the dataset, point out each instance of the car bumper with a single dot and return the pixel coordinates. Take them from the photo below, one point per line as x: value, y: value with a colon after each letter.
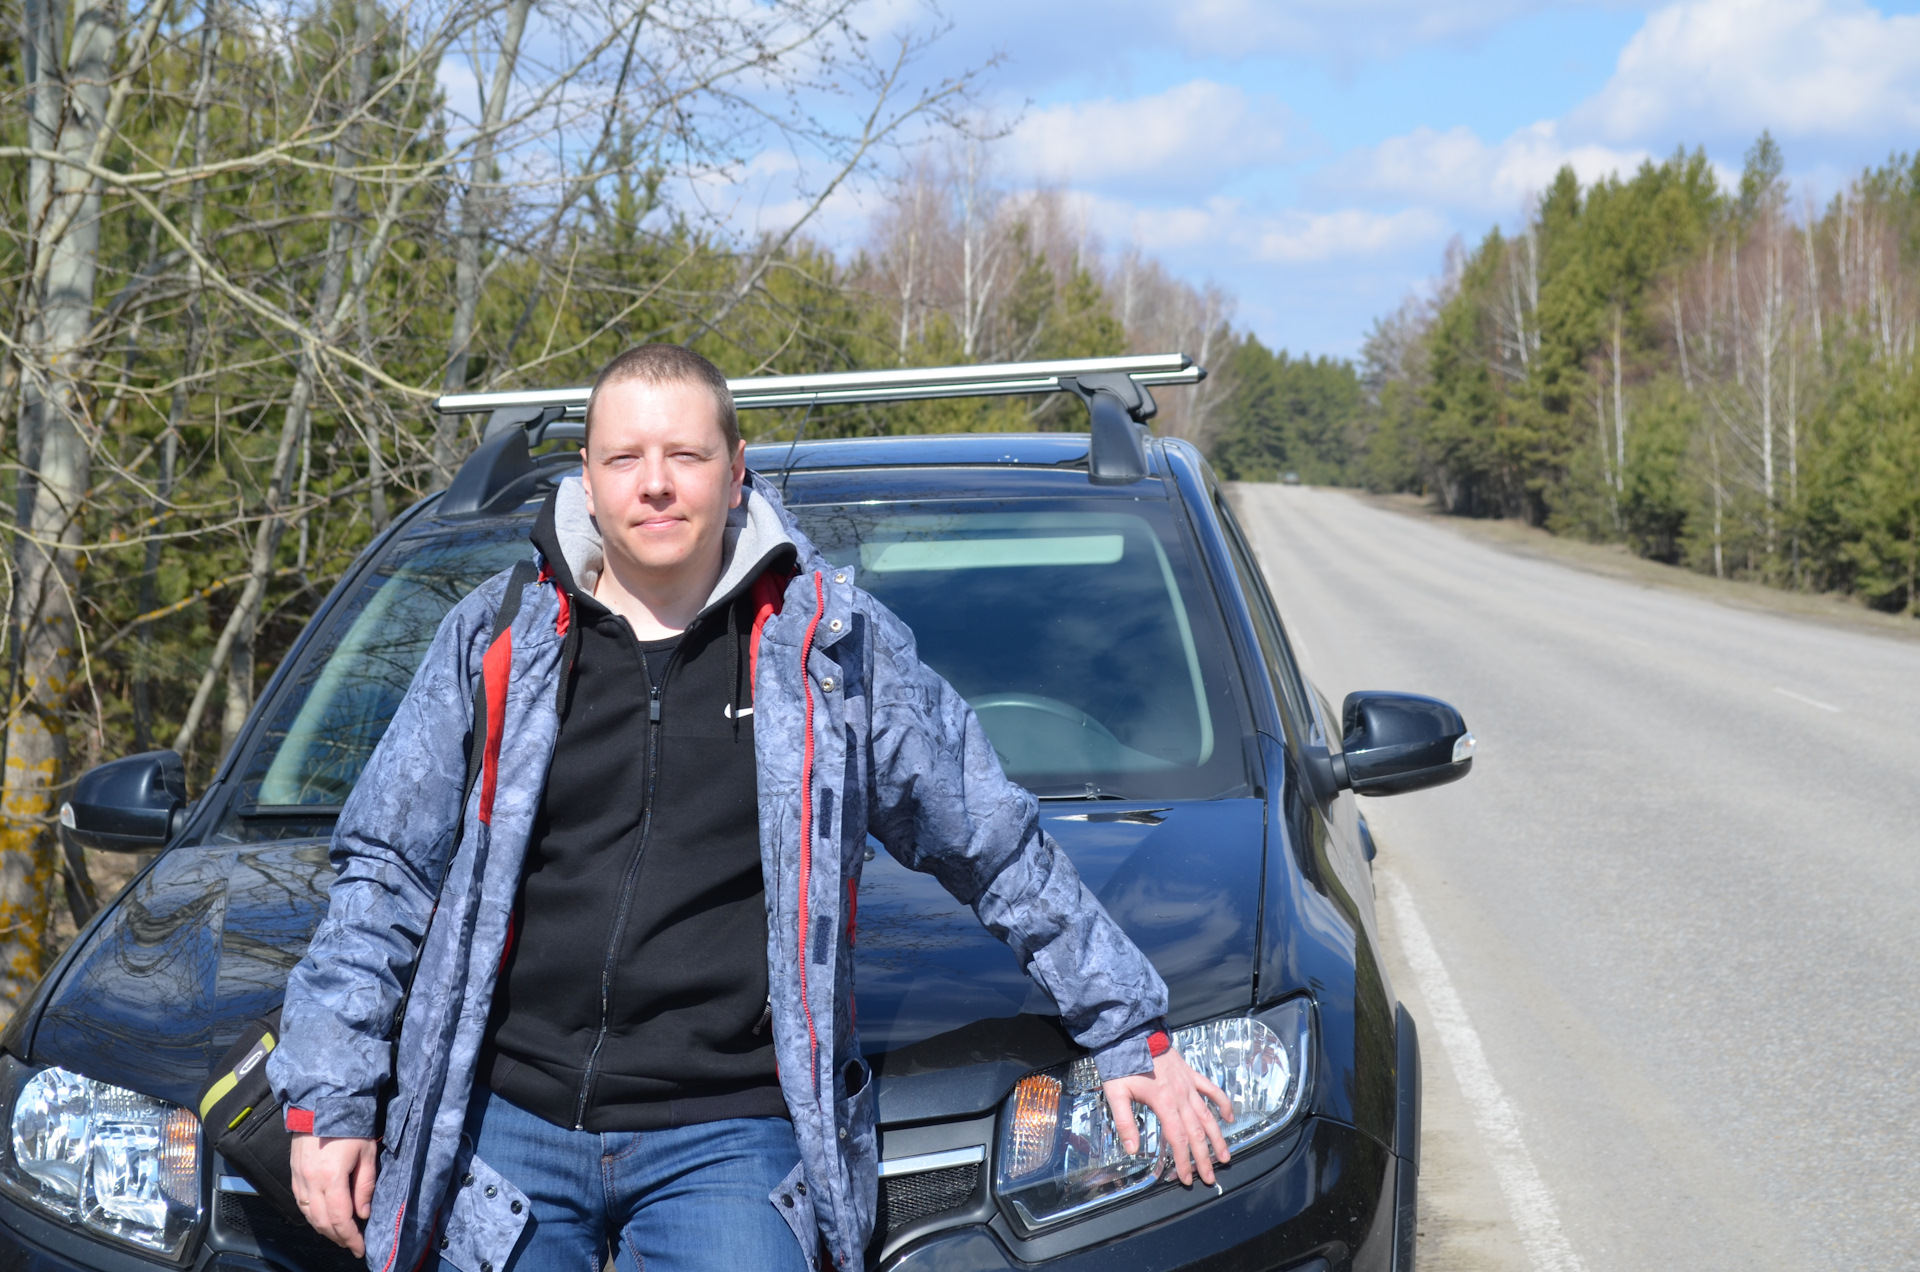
x: 31, y: 1242
x: 240, y: 1237
x: 1326, y: 1201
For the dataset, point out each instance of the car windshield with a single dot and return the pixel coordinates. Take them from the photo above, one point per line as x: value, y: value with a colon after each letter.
x: 328, y: 718
x: 1077, y: 629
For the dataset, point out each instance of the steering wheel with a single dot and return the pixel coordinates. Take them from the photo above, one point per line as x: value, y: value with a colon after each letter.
x: 1046, y: 706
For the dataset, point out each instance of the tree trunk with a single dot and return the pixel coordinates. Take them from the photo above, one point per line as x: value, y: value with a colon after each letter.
x: 150, y: 568
x: 377, y: 514
x: 66, y: 243
x: 1680, y: 342
x: 176, y: 409
x: 1719, y: 502
x: 1619, y: 414
x: 45, y: 29
x: 1813, y: 284
x: 1606, y: 454
x: 475, y: 209
x: 239, y: 695
x: 907, y: 284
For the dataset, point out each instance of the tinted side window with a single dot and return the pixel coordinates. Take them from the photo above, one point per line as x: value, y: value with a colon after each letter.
x: 1266, y: 625
x: 332, y: 711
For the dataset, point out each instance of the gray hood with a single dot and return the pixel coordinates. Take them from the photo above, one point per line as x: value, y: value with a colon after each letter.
x: 757, y: 531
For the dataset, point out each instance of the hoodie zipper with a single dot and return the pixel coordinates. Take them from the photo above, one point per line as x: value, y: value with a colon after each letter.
x: 626, y: 887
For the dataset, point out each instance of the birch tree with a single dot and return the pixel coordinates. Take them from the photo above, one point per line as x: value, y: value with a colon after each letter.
x: 76, y: 87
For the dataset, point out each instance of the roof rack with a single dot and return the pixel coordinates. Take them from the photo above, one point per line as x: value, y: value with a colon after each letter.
x: 1116, y: 391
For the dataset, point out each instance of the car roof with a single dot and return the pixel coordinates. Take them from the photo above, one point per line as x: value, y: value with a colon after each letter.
x: 1054, y: 450
x: 883, y: 469
x: 1117, y: 450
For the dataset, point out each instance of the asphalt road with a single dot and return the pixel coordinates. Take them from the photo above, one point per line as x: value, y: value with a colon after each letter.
x: 1664, y: 942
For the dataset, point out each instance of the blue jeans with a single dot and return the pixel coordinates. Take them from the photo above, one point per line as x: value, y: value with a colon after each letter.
x: 691, y: 1199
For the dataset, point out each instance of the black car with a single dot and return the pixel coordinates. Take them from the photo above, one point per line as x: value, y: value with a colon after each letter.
x: 1135, y: 675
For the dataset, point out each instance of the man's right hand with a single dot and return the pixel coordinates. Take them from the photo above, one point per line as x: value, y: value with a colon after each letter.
x: 333, y: 1182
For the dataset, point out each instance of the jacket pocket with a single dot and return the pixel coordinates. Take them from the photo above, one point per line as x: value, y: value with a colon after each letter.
x: 393, y: 1127
x: 853, y: 1115
x: 485, y: 1216
x: 795, y: 1205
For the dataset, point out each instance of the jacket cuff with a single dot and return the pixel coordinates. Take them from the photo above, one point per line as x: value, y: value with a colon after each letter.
x: 1133, y: 1054
x: 350, y: 1117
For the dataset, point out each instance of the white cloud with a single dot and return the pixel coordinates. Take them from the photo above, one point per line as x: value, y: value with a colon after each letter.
x: 1225, y: 230
x: 1733, y: 67
x: 1352, y: 232
x: 1197, y: 130
x: 1696, y: 71
x: 1457, y: 169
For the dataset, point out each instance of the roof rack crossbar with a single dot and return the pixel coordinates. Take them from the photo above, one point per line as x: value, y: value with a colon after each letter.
x: 898, y: 385
x: 1116, y: 392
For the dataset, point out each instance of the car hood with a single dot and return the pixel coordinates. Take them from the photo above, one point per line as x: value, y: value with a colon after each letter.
x: 202, y: 943
x: 198, y: 946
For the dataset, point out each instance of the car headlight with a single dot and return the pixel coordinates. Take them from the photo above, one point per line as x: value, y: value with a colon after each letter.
x: 111, y: 1160
x: 1060, y: 1155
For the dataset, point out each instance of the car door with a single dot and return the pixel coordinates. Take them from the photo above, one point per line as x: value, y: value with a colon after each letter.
x: 1327, y: 826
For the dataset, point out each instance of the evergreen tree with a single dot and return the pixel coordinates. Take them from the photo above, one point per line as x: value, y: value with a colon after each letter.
x: 1698, y: 372
x: 1288, y: 415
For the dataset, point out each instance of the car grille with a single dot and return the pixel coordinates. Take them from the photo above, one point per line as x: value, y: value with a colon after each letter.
x: 253, y: 1218
x: 905, y: 1198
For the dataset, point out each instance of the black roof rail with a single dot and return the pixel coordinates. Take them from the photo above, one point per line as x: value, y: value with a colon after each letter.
x: 1115, y: 390
x: 1118, y: 408
x: 500, y: 473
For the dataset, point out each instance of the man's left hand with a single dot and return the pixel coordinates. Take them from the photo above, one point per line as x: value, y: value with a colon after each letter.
x: 1178, y: 1097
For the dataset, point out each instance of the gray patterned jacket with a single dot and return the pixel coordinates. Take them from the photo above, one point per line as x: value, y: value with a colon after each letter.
x: 854, y: 735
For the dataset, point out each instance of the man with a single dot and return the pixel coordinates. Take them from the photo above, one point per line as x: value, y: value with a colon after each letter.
x: 629, y: 1025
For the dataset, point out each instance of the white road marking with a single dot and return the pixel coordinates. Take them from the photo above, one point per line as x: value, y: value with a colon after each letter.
x: 1801, y: 697
x: 1534, y: 1211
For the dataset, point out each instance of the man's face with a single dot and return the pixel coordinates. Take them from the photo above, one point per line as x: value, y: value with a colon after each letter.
x: 660, y: 477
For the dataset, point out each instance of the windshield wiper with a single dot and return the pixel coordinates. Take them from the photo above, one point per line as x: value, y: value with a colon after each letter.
x: 289, y: 810
x: 1091, y: 792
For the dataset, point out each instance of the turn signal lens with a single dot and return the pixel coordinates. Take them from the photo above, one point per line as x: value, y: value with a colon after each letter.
x: 1033, y: 1125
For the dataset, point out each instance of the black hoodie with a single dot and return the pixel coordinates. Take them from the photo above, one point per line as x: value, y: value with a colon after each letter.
x: 634, y: 993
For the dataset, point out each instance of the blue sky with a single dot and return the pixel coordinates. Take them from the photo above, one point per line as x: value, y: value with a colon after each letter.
x: 1315, y: 157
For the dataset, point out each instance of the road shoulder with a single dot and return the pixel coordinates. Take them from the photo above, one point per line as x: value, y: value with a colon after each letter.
x: 1612, y: 560
x: 1465, y: 1224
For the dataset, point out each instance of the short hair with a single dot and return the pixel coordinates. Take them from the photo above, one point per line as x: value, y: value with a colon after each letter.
x: 669, y: 364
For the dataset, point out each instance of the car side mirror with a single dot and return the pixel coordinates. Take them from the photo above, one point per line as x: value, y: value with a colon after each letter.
x: 129, y: 804
x: 1398, y: 742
